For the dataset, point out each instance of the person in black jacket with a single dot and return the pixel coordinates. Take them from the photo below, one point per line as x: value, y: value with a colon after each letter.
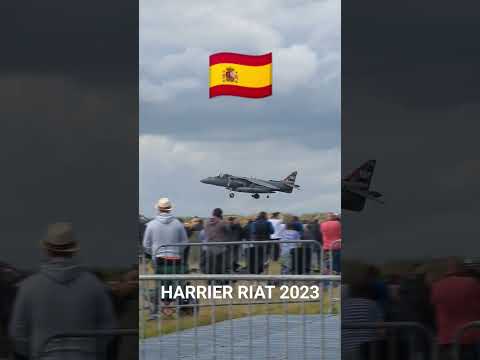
x: 260, y: 230
x: 236, y: 233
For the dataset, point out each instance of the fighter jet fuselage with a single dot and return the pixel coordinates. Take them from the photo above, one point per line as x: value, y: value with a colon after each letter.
x: 252, y: 185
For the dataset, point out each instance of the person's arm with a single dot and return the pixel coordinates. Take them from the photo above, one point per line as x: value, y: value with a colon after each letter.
x: 252, y: 229
x: 298, y: 236
x: 147, y: 241
x: 271, y: 230
x: 182, y: 236
x: 319, y: 234
x: 246, y: 232
x: 19, y: 325
x: 302, y: 230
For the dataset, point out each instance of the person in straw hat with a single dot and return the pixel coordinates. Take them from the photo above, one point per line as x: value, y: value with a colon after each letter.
x: 161, y: 241
x: 63, y: 297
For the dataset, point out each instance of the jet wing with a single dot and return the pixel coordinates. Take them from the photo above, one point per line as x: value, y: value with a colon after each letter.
x: 261, y: 183
x: 367, y: 195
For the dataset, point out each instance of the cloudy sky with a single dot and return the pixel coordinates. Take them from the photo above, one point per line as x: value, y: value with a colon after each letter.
x: 185, y: 136
x: 68, y: 136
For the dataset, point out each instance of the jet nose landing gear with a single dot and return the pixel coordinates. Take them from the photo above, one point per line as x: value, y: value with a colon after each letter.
x: 256, y: 196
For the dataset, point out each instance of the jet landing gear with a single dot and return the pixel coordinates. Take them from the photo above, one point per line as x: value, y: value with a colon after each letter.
x: 232, y: 195
x: 256, y: 196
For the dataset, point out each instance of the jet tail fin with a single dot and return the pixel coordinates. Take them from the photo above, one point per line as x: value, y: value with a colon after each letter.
x: 290, y: 179
x: 363, y: 174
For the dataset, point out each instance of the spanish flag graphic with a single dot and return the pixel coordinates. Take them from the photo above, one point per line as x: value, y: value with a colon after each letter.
x: 240, y: 75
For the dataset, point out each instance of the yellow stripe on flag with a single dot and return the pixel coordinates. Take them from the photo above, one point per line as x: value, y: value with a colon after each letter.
x: 244, y: 75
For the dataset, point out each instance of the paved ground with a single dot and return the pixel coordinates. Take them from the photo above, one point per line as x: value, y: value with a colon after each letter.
x: 278, y: 337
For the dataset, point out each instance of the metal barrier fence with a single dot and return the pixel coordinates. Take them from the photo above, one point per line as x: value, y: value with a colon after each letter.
x: 95, y: 344
x: 408, y: 340
x: 388, y: 340
x: 252, y: 257
x: 299, y: 320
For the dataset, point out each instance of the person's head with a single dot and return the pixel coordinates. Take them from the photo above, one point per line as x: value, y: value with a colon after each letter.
x: 164, y: 205
x: 232, y: 219
x: 60, y: 241
x: 332, y: 217
x: 262, y: 215
x: 196, y: 221
x: 217, y: 213
x: 275, y: 215
x: 295, y: 219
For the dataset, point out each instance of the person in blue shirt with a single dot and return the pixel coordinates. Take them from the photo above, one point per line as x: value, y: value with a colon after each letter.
x: 260, y: 230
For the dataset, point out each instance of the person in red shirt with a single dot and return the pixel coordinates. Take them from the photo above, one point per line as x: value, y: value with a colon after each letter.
x: 456, y: 299
x: 331, y: 231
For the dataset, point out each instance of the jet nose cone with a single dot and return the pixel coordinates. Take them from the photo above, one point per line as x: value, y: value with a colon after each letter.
x: 205, y: 181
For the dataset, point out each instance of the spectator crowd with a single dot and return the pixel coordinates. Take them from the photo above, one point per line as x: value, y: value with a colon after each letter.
x: 441, y: 302
x: 166, y: 240
x: 227, y: 246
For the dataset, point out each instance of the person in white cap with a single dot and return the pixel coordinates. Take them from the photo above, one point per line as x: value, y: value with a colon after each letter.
x: 162, y: 241
x: 164, y: 230
x: 62, y: 298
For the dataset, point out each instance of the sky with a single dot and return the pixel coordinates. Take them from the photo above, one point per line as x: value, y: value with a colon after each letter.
x: 185, y: 136
x: 410, y: 95
x: 68, y: 137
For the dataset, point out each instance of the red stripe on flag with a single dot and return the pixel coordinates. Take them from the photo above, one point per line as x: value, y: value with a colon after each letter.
x: 249, y: 60
x: 241, y: 91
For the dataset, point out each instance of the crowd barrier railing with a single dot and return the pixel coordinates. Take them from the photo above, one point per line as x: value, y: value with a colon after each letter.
x: 253, y: 257
x: 393, y: 340
x: 292, y: 327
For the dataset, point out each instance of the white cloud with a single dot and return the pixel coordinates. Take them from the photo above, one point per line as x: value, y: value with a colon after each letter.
x: 293, y: 67
x: 177, y: 37
x: 151, y: 92
x: 210, y: 25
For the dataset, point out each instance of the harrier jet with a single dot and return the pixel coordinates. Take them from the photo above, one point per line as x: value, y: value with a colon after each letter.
x: 252, y: 185
x: 356, y: 188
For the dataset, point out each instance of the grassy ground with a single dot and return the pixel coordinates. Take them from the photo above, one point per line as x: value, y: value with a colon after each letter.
x: 210, y: 315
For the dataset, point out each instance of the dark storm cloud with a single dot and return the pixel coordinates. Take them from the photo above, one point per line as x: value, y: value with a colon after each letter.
x: 83, y: 40
x: 416, y: 54
x: 68, y: 83
x: 410, y: 95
